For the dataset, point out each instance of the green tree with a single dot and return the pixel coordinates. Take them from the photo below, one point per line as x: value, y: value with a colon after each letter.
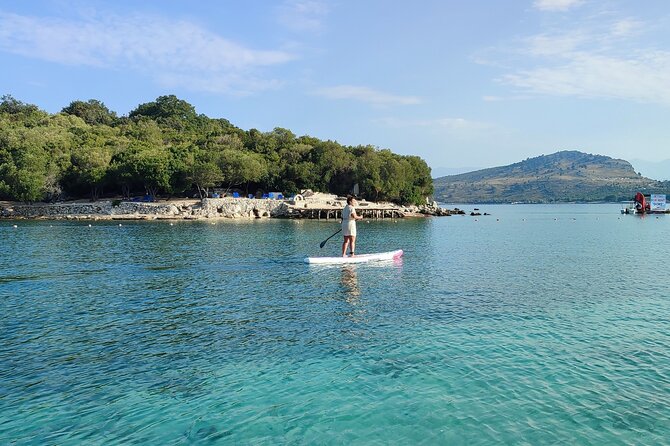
x: 142, y: 165
x: 12, y: 106
x: 153, y: 167
x: 90, y: 167
x: 240, y: 168
x: 368, y: 172
x: 164, y: 146
x: 204, y: 169
x: 334, y: 166
x: 93, y: 112
x: 23, y: 175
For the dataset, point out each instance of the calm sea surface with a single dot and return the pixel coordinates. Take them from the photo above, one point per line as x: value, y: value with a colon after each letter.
x: 534, y: 325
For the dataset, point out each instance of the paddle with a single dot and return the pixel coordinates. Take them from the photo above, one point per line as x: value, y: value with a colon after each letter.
x: 323, y: 243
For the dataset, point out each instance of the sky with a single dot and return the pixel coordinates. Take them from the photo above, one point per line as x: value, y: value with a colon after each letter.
x: 463, y: 84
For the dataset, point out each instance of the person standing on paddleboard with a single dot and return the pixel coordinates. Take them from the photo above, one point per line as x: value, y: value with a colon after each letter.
x: 349, y: 218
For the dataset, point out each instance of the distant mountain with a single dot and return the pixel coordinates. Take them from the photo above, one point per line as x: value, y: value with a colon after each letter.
x: 444, y: 171
x: 561, y: 177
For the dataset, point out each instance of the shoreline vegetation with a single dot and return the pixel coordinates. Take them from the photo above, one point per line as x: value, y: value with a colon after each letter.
x: 164, y: 148
x: 317, y: 207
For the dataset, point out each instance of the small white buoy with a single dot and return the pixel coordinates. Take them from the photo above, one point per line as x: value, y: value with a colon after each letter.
x: 119, y: 225
x: 89, y: 225
x: 14, y: 226
x: 171, y: 224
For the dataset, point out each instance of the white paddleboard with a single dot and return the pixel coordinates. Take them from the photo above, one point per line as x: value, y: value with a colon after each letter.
x: 391, y: 255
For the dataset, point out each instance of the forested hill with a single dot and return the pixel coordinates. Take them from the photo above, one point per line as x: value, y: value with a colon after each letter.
x: 165, y: 148
x: 560, y: 177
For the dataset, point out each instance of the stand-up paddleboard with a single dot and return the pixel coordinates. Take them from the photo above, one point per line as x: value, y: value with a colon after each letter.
x: 391, y: 255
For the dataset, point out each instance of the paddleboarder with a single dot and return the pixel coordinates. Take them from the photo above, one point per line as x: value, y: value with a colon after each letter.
x: 349, y: 217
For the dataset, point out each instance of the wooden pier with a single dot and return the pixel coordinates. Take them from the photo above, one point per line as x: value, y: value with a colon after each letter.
x: 315, y: 212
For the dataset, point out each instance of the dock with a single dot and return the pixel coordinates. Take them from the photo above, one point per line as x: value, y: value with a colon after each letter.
x: 317, y: 211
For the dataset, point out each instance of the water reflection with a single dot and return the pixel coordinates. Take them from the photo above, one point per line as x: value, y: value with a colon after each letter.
x: 349, y: 280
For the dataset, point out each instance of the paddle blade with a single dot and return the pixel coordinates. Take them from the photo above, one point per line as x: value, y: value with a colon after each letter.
x: 323, y: 243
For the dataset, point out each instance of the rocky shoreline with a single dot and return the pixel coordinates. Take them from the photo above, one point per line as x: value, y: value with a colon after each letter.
x: 210, y: 208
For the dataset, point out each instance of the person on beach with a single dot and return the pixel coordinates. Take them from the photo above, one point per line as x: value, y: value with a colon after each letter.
x: 349, y: 217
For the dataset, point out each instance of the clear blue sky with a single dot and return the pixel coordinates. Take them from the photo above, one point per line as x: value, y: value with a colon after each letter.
x: 463, y: 84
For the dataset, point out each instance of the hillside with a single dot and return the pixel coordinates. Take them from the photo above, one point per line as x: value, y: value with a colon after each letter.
x: 560, y: 177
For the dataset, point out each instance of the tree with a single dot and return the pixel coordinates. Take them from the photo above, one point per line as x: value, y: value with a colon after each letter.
x: 169, y: 111
x: 23, y: 175
x: 204, y: 171
x: 93, y: 112
x: 240, y: 168
x: 335, y: 167
x: 90, y: 167
x: 368, y: 172
x: 142, y: 164
x: 164, y: 146
x: 12, y: 106
x: 153, y: 167
x: 206, y: 174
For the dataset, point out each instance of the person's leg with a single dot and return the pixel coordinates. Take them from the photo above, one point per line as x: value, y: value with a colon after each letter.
x: 345, y: 244
x: 353, y: 245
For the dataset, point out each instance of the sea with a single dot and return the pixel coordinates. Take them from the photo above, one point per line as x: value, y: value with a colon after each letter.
x: 530, y: 325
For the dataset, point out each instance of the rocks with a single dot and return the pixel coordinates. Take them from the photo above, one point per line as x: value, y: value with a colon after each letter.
x: 435, y: 210
x: 127, y: 210
x: 240, y: 207
x: 214, y: 208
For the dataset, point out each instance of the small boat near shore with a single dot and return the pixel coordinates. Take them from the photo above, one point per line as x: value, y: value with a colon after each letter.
x: 390, y: 255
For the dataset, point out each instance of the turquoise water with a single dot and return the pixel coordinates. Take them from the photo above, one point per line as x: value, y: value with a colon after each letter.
x: 534, y: 325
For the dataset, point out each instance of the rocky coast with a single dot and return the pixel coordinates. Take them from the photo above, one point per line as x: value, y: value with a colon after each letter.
x: 318, y: 207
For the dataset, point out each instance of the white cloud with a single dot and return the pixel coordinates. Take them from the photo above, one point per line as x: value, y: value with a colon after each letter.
x: 365, y: 94
x: 626, y: 27
x: 546, y: 45
x: 642, y: 78
x: 303, y: 15
x: 148, y: 44
x: 449, y: 124
x: 556, y: 5
x: 493, y: 98
x: 593, y: 60
x: 218, y: 84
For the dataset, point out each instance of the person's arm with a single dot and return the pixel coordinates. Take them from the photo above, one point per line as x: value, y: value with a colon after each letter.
x: 355, y: 215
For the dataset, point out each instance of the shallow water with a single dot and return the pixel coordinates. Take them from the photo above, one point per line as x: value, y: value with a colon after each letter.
x: 536, y: 325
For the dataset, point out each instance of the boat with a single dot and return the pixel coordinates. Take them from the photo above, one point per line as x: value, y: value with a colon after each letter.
x: 646, y: 204
x: 642, y: 205
x: 362, y: 258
